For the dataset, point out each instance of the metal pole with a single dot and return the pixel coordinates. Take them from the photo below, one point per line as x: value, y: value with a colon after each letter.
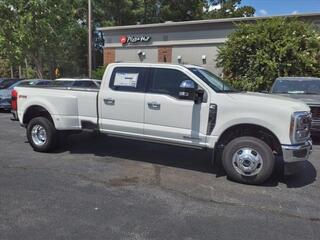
x: 11, y: 70
x: 26, y: 62
x: 20, y: 72
x: 89, y: 39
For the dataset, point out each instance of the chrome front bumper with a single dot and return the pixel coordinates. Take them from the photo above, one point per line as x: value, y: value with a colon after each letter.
x: 297, y: 153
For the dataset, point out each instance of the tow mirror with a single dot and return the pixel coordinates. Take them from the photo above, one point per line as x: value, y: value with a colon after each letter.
x: 187, y: 90
x: 199, y: 96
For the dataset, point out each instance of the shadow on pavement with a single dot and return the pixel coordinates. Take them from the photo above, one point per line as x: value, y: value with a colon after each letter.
x: 104, y: 146
x: 5, y: 111
x: 179, y: 157
x: 305, y: 176
x: 315, y: 140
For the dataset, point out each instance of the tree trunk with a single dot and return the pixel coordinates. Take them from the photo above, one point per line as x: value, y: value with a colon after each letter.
x: 39, y: 69
x: 145, y: 11
x: 26, y: 63
x: 11, y: 71
x: 20, y: 72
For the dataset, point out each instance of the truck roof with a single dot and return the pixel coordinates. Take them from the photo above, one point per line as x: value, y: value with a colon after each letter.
x: 297, y: 78
x: 77, y: 79
x: 154, y: 65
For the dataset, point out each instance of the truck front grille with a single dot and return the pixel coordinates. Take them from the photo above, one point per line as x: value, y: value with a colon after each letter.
x: 315, y: 111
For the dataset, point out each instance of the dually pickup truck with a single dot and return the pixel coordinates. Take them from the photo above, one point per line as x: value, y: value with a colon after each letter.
x: 182, y: 105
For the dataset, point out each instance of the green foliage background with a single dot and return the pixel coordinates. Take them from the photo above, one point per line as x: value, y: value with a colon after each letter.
x: 52, y: 34
x: 4, y: 68
x: 256, y: 54
x: 48, y: 34
x: 98, y: 72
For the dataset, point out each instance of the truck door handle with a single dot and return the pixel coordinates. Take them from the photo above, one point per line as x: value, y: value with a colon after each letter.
x: 154, y: 105
x: 109, y: 101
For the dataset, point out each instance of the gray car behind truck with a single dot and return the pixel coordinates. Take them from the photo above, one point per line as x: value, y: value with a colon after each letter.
x: 306, y: 89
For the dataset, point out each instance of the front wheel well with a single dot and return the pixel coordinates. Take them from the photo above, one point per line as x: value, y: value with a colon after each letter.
x: 36, y: 111
x: 250, y: 130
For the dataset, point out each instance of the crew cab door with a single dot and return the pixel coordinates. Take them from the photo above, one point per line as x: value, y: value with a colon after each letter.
x: 121, y: 101
x: 167, y: 116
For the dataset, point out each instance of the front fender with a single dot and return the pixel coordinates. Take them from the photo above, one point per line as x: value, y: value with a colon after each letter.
x: 276, y: 121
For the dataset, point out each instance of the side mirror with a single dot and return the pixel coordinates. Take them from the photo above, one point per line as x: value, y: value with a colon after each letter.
x: 187, y: 90
x: 199, y: 96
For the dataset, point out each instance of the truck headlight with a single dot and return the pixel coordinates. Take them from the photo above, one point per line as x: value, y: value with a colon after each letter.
x: 300, y: 127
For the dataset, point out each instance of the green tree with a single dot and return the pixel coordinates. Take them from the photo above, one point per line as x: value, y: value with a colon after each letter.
x: 256, y: 54
x: 127, y: 12
x: 228, y: 9
x: 151, y: 11
x: 181, y: 10
x: 4, y: 68
x: 118, y: 12
x: 99, y: 72
x: 48, y: 33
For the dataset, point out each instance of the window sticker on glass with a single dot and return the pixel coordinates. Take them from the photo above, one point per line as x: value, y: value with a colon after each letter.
x: 126, y: 79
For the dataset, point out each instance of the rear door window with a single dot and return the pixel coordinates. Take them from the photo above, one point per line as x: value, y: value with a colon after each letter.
x: 128, y: 79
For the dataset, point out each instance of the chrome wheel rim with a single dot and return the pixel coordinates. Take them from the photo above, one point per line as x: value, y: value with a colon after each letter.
x: 39, y: 135
x: 247, y: 161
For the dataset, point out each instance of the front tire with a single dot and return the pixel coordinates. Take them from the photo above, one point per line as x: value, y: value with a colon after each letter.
x: 248, y: 160
x: 42, y: 134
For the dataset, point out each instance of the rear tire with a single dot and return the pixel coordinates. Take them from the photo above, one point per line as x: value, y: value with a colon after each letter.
x: 42, y: 134
x: 248, y: 160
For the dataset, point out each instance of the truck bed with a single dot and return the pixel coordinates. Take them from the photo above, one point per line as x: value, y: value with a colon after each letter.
x: 70, y: 108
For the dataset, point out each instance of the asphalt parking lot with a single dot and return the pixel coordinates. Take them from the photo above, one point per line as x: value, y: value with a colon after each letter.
x: 98, y: 187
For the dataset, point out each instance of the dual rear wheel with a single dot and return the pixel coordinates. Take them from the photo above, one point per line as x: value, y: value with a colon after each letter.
x: 42, y: 134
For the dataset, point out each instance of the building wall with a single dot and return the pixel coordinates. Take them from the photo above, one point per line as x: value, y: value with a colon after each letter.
x: 193, y: 55
x: 189, y: 55
x: 165, y: 54
x: 131, y: 54
x: 166, y: 46
x: 189, y: 40
x: 109, y: 55
x: 163, y: 37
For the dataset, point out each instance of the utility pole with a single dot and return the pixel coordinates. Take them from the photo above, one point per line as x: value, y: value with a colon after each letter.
x: 26, y: 62
x: 11, y: 71
x: 89, y: 39
x: 20, y: 72
x: 145, y: 11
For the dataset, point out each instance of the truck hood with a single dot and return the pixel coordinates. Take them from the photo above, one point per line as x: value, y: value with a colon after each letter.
x: 273, y: 100
x: 309, y: 99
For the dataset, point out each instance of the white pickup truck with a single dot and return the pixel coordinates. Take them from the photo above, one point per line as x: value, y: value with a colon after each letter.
x: 175, y: 104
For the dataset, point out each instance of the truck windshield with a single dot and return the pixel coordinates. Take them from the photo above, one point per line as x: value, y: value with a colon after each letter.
x: 215, y: 82
x: 311, y: 86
